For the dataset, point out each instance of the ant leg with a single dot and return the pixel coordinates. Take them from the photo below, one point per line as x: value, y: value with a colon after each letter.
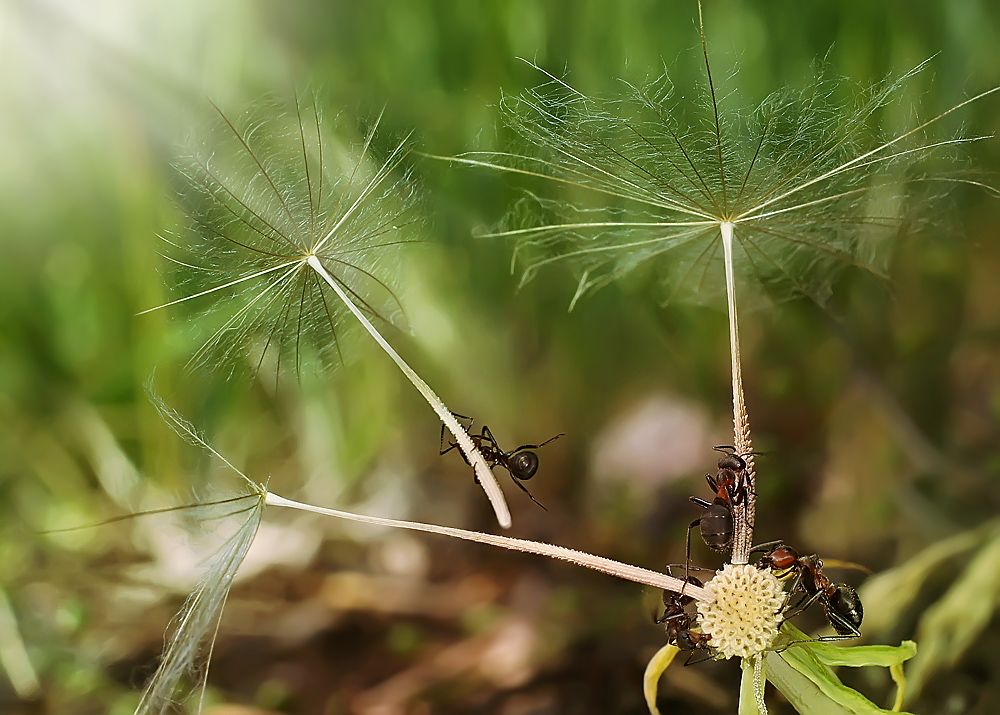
x: 766, y: 546
x: 443, y: 450
x: 453, y: 445
x: 704, y: 569
x: 689, y: 661
x: 818, y: 639
x: 664, y: 618
x: 713, y: 484
x: 800, y: 607
x: 687, y: 553
x: 700, y: 502
x: 525, y: 490
x: 537, y: 446
x: 487, y: 434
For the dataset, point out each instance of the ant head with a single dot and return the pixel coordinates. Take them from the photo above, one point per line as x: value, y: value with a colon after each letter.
x: 523, y: 465
x: 782, y: 558
x: 691, y: 640
x: 731, y: 460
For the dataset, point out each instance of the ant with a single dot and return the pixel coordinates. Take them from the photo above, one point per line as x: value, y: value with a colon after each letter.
x: 730, y: 488
x: 679, y: 622
x: 841, y: 603
x: 521, y: 463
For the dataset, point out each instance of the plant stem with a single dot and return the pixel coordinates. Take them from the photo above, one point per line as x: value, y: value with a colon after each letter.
x: 483, y: 473
x: 624, y: 571
x: 743, y: 514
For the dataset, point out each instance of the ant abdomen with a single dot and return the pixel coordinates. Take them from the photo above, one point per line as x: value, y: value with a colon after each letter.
x: 523, y: 465
x: 717, y: 527
x: 845, y: 610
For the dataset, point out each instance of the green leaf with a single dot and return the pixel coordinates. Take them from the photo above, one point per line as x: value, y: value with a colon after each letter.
x: 660, y: 661
x: 859, y: 656
x: 803, y: 673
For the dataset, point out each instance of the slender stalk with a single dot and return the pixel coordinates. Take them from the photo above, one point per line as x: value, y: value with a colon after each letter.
x: 627, y: 572
x: 758, y: 684
x: 483, y: 473
x: 743, y: 514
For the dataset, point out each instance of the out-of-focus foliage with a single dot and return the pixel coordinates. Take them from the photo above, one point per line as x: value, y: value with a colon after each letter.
x: 879, y: 427
x: 959, y: 616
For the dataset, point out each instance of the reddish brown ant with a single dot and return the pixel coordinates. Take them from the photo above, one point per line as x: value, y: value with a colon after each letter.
x: 730, y: 487
x: 521, y: 463
x: 841, y: 603
x: 680, y: 621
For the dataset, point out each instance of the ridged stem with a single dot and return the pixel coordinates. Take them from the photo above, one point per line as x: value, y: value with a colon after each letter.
x: 743, y: 514
x: 486, y: 479
x: 611, y: 567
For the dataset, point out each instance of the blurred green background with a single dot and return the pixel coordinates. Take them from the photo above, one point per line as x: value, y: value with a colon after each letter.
x: 880, y: 431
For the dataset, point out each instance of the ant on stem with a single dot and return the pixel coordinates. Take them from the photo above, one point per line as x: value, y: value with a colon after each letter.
x: 730, y: 487
x: 520, y: 463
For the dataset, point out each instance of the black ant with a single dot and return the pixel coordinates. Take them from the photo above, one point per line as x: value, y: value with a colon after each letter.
x: 521, y: 463
x: 679, y: 622
x: 841, y: 603
x: 730, y: 488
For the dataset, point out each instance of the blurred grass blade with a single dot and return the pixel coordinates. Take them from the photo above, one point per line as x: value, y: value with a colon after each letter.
x: 952, y: 624
x: 893, y: 592
x: 14, y: 656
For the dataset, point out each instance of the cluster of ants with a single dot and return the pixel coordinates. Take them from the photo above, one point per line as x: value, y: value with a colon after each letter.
x: 731, y: 485
x: 840, y: 602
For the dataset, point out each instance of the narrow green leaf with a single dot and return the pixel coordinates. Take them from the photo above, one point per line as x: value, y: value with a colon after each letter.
x: 803, y: 674
x: 860, y: 656
x: 660, y: 661
x: 899, y: 678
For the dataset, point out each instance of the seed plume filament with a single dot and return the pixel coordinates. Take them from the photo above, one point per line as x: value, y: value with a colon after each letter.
x: 862, y: 157
x: 483, y: 473
x: 230, y: 284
